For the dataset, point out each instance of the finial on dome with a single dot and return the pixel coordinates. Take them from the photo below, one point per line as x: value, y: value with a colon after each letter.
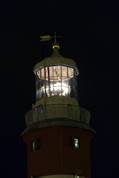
x: 55, y: 45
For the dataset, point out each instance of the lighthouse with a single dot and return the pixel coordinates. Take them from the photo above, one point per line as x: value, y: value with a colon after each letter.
x: 58, y: 135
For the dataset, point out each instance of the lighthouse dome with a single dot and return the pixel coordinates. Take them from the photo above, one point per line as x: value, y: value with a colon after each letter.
x: 56, y: 59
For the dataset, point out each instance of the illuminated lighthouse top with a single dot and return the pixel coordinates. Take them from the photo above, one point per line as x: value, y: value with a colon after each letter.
x: 56, y: 93
x: 55, y: 75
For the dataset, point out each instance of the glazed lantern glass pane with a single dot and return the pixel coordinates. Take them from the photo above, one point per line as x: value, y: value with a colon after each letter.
x: 55, y: 81
x: 55, y: 73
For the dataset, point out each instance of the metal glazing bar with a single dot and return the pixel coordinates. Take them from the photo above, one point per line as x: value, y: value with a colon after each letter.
x: 53, y: 78
x: 67, y: 73
x: 61, y: 80
x: 49, y: 81
x: 40, y: 74
x: 45, y: 79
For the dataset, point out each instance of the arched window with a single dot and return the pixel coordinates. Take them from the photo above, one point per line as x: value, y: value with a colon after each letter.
x: 35, y: 145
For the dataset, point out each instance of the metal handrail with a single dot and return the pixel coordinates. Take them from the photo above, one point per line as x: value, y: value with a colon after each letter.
x: 57, y: 111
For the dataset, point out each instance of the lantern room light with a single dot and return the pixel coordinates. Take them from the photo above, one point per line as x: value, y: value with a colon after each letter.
x: 56, y: 75
x: 57, y: 89
x: 55, y: 80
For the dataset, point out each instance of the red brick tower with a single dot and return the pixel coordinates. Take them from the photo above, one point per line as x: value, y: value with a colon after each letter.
x: 58, y: 133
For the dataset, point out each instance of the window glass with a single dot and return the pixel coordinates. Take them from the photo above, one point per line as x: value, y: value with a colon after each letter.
x: 35, y: 145
x: 76, y: 142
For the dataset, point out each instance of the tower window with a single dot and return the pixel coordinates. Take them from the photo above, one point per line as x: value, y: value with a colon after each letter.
x: 76, y: 143
x: 35, y: 145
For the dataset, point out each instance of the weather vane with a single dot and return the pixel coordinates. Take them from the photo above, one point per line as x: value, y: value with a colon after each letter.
x: 45, y: 38
x: 48, y: 37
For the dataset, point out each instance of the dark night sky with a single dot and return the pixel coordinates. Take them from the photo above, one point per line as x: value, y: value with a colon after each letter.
x: 86, y: 27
